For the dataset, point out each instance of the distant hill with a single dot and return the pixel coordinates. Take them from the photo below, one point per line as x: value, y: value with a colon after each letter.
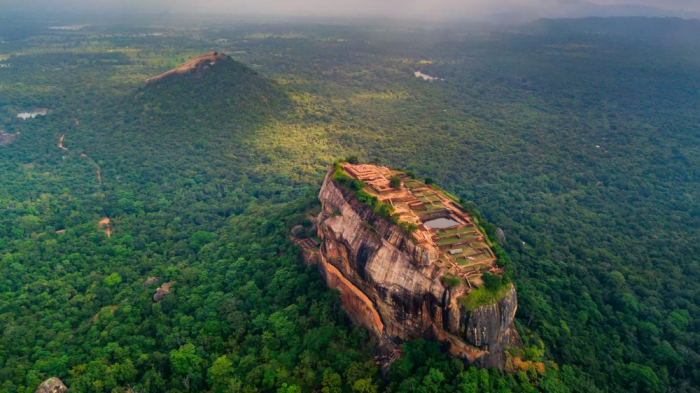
x: 210, y: 86
x: 664, y: 29
x: 584, y: 9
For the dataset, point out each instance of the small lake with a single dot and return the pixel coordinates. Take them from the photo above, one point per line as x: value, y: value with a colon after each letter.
x: 441, y: 223
x: 32, y: 114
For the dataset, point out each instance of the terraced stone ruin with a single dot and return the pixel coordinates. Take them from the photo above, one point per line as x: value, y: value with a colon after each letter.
x: 404, y: 276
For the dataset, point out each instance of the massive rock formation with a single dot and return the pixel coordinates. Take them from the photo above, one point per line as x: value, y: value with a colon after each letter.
x: 389, y: 286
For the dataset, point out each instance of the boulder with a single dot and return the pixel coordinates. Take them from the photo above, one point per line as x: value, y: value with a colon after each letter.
x: 314, y: 221
x: 150, y: 280
x: 161, y: 292
x: 297, y: 230
x: 51, y: 385
x: 500, y: 235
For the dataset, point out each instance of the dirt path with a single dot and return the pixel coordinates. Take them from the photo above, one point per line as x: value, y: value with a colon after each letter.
x: 60, y: 143
x: 104, y: 225
x: 97, y: 167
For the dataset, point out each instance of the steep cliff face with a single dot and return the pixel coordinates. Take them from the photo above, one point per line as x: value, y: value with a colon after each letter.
x: 389, y: 286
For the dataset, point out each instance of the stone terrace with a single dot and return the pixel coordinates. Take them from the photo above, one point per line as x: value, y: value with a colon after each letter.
x: 462, y: 248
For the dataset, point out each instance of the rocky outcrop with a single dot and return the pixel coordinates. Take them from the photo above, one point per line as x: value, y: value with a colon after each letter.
x: 161, y: 292
x: 297, y: 230
x: 150, y: 280
x: 389, y: 285
x: 500, y: 235
x: 357, y: 305
x: 196, y: 65
x: 51, y: 385
x: 6, y: 139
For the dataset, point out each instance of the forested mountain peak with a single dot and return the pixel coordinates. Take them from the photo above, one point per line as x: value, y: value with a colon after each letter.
x: 213, y: 85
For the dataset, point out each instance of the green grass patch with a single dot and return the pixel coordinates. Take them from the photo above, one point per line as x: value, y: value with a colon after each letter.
x: 449, y: 280
x: 357, y: 187
x: 480, y: 257
x: 451, y: 240
x: 456, y: 231
x: 482, y: 297
x: 470, y: 252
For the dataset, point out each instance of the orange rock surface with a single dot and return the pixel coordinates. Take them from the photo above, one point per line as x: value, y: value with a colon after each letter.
x: 186, y: 67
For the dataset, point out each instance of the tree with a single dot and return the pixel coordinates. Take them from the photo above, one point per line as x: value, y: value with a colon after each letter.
x: 434, y: 380
x: 184, y: 360
x: 385, y: 210
x: 289, y: 389
x: 640, y: 378
x: 112, y: 280
x: 201, y: 238
x: 468, y: 381
x: 616, y: 278
x: 332, y: 382
x: 30, y: 223
x: 665, y: 354
x: 357, y: 371
x: 395, y: 182
x: 492, y: 282
x: 221, y: 373
x: 364, y: 385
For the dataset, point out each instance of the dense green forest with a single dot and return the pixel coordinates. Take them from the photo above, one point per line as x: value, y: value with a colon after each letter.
x: 579, y: 139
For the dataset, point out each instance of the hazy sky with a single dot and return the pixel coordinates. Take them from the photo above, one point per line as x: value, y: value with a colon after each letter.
x: 406, y: 8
